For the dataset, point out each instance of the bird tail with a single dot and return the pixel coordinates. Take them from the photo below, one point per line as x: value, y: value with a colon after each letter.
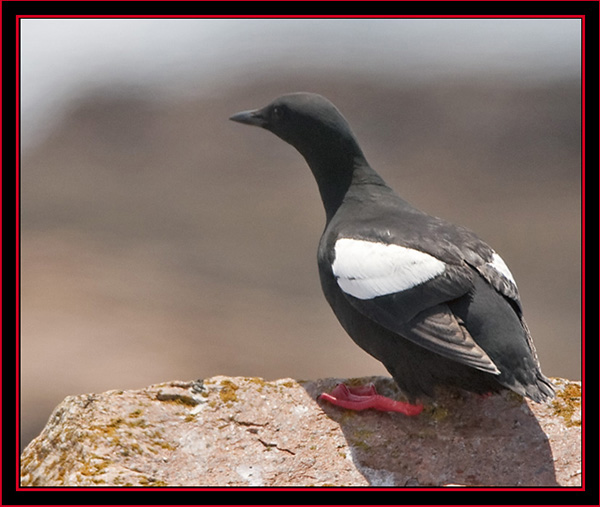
x: 539, y: 390
x: 543, y: 390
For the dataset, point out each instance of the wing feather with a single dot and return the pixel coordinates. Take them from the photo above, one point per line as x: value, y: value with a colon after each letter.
x: 404, y: 290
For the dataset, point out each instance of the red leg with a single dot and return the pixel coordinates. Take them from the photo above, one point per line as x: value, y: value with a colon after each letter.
x: 362, y: 398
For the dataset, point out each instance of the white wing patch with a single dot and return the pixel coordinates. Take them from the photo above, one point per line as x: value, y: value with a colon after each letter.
x: 500, y: 266
x: 365, y: 269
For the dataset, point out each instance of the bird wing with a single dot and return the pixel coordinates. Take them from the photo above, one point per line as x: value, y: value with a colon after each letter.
x: 405, y: 290
x: 497, y: 274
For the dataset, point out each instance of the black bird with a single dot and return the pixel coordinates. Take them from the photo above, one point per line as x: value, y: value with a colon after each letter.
x: 429, y: 299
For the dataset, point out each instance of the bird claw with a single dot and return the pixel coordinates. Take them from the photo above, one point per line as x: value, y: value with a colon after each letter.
x: 365, y: 397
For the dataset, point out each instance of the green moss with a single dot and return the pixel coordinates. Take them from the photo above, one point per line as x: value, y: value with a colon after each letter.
x: 111, y: 428
x: 153, y: 483
x: 158, y: 439
x: 567, y: 403
x: 165, y: 445
x: 437, y: 413
x: 228, y: 391
x: 91, y: 469
x: 115, y: 422
x: 135, y: 447
x: 140, y: 423
x: 179, y: 399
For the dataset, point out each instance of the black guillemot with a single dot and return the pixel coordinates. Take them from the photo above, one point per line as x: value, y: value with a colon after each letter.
x: 429, y: 299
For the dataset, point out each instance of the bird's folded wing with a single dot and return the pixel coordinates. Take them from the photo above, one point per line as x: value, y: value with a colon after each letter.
x: 404, y: 290
x: 438, y: 330
x: 497, y: 274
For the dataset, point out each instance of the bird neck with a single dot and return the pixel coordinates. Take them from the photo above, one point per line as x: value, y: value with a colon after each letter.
x: 337, y: 175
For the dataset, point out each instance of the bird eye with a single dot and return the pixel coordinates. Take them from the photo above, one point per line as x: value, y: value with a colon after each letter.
x: 278, y: 112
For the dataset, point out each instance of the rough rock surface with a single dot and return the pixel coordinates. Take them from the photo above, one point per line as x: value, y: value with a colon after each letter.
x: 235, y: 431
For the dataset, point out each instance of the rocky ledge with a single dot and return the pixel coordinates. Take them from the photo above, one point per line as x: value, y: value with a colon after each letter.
x: 237, y: 431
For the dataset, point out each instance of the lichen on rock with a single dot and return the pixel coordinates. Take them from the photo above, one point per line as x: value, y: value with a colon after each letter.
x: 239, y: 431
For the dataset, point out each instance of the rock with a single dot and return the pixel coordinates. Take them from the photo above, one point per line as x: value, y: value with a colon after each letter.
x: 237, y: 431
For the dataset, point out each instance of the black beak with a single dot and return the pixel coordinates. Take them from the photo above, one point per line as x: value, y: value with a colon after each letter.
x: 254, y: 117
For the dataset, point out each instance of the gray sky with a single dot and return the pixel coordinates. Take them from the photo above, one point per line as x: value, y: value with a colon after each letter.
x: 62, y: 58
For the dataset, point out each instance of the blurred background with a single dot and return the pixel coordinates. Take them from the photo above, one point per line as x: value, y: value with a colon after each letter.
x: 161, y: 241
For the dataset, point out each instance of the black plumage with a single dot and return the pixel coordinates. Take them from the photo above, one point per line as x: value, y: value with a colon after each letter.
x: 429, y: 299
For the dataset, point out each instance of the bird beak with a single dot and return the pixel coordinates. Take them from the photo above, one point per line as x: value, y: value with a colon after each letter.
x: 254, y: 117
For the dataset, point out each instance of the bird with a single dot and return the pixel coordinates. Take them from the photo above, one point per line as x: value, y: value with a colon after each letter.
x: 429, y: 299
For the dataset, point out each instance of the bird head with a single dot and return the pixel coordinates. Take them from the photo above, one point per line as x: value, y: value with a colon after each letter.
x: 307, y: 121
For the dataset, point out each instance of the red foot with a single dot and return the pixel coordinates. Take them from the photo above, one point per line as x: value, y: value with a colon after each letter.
x: 362, y: 398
